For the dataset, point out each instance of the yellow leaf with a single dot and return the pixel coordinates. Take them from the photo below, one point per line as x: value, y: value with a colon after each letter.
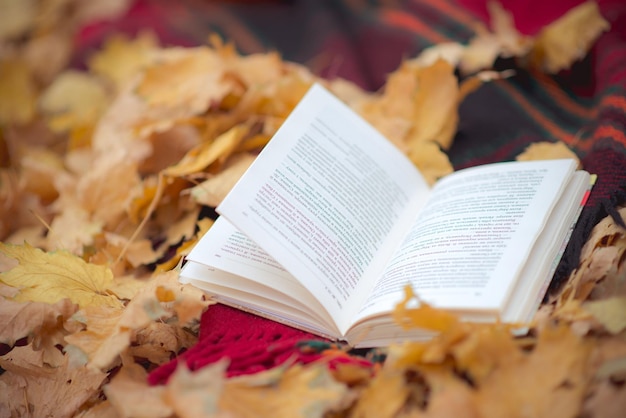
x: 121, y: 58
x: 188, y: 78
x: 50, y: 277
x: 17, y: 92
x: 568, y: 39
x: 73, y: 101
x: 205, y: 154
x: 435, y: 116
x: 610, y: 312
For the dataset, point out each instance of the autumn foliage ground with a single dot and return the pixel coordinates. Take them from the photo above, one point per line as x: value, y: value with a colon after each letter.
x: 104, y: 173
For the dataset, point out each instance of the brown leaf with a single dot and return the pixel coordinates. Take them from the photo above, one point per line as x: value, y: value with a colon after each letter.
x: 41, y: 323
x: 57, y: 392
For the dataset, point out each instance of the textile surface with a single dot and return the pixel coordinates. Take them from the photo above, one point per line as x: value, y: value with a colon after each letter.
x: 363, y: 41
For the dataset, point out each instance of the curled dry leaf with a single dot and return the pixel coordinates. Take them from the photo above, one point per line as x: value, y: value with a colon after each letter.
x: 75, y: 100
x: 46, y: 391
x: 211, y: 192
x: 207, y: 153
x: 42, y: 324
x: 601, y: 267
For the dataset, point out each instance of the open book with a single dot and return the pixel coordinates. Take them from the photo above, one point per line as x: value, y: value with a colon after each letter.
x: 332, y: 221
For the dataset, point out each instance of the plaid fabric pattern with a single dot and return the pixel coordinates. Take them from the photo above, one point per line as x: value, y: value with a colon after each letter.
x: 364, y: 40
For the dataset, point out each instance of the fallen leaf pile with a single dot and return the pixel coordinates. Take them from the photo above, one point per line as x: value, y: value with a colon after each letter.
x: 103, y: 176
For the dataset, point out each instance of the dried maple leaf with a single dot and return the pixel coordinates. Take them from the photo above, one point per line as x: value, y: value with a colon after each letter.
x: 189, y: 78
x: 121, y: 58
x: 73, y: 101
x: 568, y: 39
x: 30, y: 390
x: 109, y: 332
x: 296, y: 391
x: 102, y: 340
x: 73, y: 230
x: 38, y: 168
x: 159, y: 341
x: 42, y: 324
x: 106, y: 190
x: 51, y: 277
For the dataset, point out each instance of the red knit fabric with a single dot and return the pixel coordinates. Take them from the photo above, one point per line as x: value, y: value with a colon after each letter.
x: 251, y: 344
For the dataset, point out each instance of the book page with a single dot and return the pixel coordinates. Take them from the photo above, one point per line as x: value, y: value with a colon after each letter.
x: 328, y: 197
x: 468, y: 244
